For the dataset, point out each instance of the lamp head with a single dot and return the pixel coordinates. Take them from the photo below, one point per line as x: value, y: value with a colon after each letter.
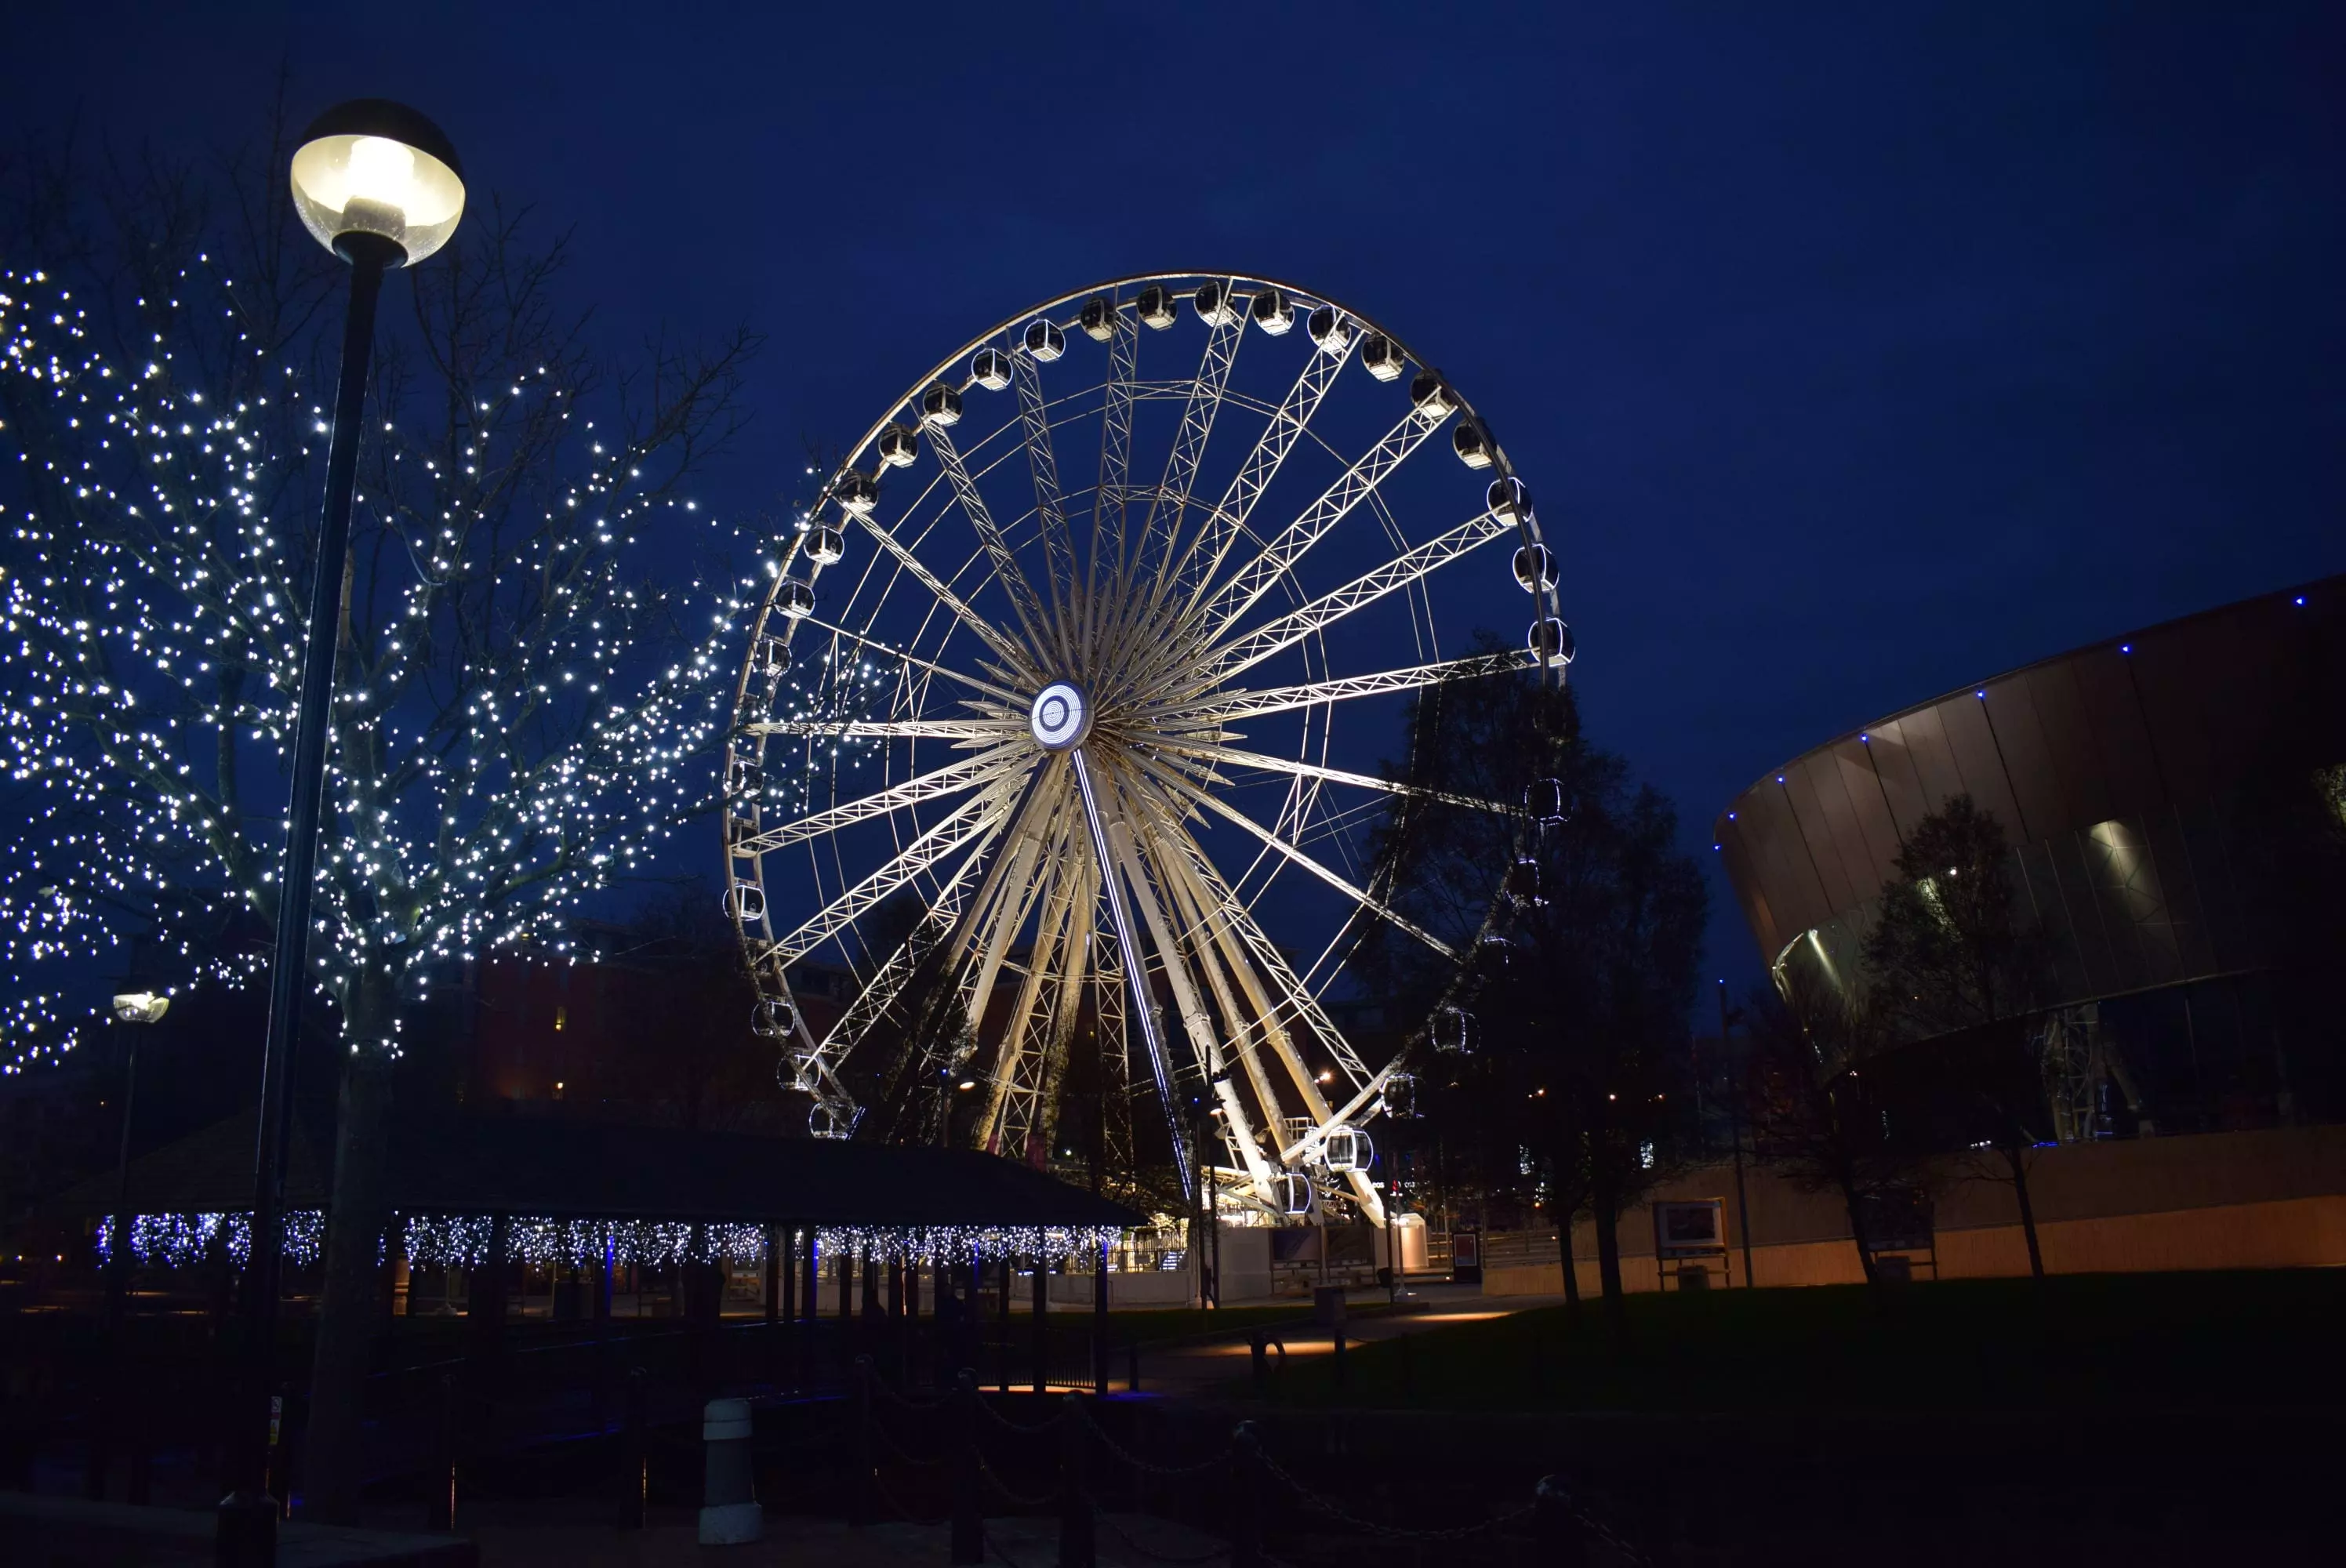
x: 142, y: 1006
x: 373, y: 166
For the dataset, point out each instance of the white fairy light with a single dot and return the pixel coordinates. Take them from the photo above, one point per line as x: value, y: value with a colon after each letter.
x: 468, y: 1240
x: 502, y: 744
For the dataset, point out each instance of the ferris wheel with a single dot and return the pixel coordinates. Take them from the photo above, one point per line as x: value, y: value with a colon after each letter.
x: 1049, y: 711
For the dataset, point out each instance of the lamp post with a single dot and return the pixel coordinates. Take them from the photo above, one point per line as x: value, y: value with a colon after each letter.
x: 133, y: 1007
x: 379, y: 185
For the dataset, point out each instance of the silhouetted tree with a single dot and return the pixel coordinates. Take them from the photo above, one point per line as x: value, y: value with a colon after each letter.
x: 1813, y: 1114
x: 1580, y: 982
x: 1952, y: 959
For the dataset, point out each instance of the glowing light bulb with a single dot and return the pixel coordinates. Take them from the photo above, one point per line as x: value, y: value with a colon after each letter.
x: 381, y: 170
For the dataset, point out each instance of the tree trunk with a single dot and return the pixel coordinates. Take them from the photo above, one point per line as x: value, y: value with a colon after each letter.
x: 2018, y: 1159
x: 1845, y: 1177
x: 1856, y: 1225
x: 1571, y: 1274
x: 1604, y: 1207
x: 349, y: 1310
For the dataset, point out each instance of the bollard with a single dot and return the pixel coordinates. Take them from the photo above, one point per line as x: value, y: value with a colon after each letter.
x: 441, y: 1504
x: 860, y: 1501
x: 1132, y: 1366
x: 1246, y: 1497
x: 729, y: 1514
x: 1262, y: 1362
x: 1563, y: 1541
x: 1340, y: 1356
x: 635, y: 1472
x: 1077, y: 1544
x: 968, y: 1518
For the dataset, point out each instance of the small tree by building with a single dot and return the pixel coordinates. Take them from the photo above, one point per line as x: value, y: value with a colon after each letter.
x: 1814, y: 1115
x: 1953, y: 959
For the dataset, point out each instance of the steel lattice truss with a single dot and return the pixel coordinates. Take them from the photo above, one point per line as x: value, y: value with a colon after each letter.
x: 1001, y: 674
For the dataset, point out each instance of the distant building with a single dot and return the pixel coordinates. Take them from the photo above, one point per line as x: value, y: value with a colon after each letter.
x: 2151, y: 786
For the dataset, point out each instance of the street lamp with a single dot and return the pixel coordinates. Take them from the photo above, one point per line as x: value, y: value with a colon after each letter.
x: 131, y: 1006
x: 379, y: 185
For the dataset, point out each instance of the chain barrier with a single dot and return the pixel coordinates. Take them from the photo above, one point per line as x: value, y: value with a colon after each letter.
x: 906, y: 1401
x: 881, y: 1433
x: 1102, y: 1515
x: 897, y: 1508
x: 1590, y: 1522
x: 1014, y: 1499
x: 1333, y: 1510
x: 1002, y: 1420
x: 1145, y: 1466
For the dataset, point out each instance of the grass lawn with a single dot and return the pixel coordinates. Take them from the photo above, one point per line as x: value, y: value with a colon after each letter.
x: 2151, y: 1342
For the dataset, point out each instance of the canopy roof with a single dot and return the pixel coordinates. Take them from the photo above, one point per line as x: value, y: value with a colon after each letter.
x: 572, y: 1169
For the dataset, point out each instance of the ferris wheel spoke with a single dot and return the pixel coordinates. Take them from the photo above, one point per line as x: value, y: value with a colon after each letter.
x: 1162, y: 531
x: 1006, y: 570
x: 1237, y: 758
x: 957, y: 829
x: 1360, y: 896
x: 1238, y: 705
x: 1004, y: 648
x: 1301, y: 1005
x: 1111, y: 851
x: 1294, y: 999
x: 1038, y: 840
x: 1223, y: 526
x: 1031, y: 1116
x: 1050, y: 506
x: 1331, y: 608
x: 961, y: 730
x: 950, y: 780
x: 1251, y: 1037
x: 860, y: 640
x: 816, y: 1069
x: 1104, y: 569
x: 1250, y: 582
x: 1013, y: 1076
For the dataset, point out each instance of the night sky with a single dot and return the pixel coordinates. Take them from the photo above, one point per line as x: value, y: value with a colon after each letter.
x: 1854, y: 356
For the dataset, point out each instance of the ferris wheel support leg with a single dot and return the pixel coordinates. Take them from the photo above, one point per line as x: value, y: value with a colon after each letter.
x: 1136, y: 974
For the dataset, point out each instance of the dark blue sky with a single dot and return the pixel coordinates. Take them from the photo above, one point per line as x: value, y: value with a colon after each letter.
x: 1855, y: 352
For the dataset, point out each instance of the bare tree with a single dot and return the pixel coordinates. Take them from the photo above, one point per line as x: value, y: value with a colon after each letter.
x: 523, y: 693
x: 1814, y: 1115
x: 1579, y: 987
x: 1952, y: 959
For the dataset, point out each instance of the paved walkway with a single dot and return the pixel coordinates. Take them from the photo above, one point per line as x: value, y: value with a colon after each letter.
x: 1207, y: 1366
x: 791, y: 1542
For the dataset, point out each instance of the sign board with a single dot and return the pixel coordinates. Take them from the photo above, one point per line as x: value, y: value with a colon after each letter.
x: 1466, y: 1256
x: 1897, y: 1220
x: 1690, y: 1227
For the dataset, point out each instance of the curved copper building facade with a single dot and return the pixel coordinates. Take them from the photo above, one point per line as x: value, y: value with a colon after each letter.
x: 2126, y: 776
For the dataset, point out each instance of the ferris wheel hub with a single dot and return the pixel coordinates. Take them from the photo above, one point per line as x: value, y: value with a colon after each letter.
x: 1061, y: 716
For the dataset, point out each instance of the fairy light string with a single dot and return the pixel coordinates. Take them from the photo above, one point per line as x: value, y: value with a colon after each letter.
x: 524, y: 711
x: 469, y: 1240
